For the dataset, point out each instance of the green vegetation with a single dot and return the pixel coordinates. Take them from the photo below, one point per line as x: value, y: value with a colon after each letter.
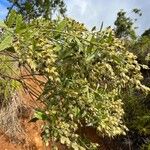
x: 124, y: 26
x: 31, y: 9
x: 97, y: 79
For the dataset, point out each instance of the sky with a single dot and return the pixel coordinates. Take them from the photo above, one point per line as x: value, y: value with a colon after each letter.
x: 94, y: 12
x: 3, y: 8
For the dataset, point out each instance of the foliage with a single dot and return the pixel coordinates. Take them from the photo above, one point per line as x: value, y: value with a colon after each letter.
x: 137, y: 118
x: 8, y: 70
x: 142, y: 49
x: 146, y: 146
x: 146, y: 33
x: 125, y: 25
x: 8, y: 84
x: 31, y: 9
x: 86, y: 74
x: 136, y: 104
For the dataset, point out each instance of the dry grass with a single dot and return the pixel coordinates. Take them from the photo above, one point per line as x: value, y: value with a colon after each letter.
x: 9, y: 119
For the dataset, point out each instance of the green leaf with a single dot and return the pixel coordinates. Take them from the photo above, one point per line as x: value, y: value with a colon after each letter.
x: 76, y: 110
x: 90, y: 57
x: 40, y: 115
x: 11, y: 18
x: 2, y: 24
x: 94, y: 28
x: 79, y: 44
x: 18, y: 22
x: 6, y: 42
x: 61, y: 25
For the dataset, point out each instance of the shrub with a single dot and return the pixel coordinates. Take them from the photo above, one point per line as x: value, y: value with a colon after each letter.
x: 85, y: 73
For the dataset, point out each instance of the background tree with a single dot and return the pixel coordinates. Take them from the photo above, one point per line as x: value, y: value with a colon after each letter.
x: 146, y: 32
x: 31, y: 9
x: 125, y: 25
